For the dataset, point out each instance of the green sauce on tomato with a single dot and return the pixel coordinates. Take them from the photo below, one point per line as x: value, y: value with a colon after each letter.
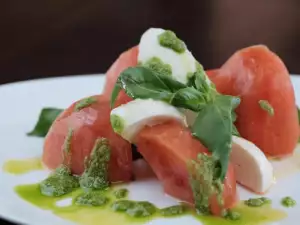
x: 95, y: 176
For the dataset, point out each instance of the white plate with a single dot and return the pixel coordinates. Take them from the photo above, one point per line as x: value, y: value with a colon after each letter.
x: 20, y: 106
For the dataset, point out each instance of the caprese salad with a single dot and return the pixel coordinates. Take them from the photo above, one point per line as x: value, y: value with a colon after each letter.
x: 201, y: 132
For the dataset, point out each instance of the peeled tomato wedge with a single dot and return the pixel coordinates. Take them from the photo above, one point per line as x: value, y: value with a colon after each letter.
x: 167, y: 148
x: 88, y: 124
x: 125, y: 60
x: 128, y: 119
x: 255, y: 74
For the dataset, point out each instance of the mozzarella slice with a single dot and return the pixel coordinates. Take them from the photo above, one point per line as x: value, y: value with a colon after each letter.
x: 251, y: 167
x: 128, y: 119
x: 182, y: 64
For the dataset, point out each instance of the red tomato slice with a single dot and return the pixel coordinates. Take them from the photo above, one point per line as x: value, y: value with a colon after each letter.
x: 125, y: 60
x: 88, y: 124
x: 254, y: 74
x: 167, y: 148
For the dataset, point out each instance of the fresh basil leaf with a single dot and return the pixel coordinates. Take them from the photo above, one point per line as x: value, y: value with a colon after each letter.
x: 141, y: 82
x: 46, y: 118
x: 213, y: 127
x: 235, y: 102
x: 235, y: 131
x: 114, y: 94
x: 201, y: 81
x: 189, y: 98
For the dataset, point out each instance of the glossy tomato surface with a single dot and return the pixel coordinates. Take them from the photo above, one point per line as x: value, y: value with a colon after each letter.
x: 255, y: 74
x: 168, y: 148
x: 88, y: 124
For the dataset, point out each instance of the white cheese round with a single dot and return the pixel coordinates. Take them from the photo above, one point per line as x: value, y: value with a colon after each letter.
x: 252, y: 168
x: 128, y: 119
x: 181, y: 63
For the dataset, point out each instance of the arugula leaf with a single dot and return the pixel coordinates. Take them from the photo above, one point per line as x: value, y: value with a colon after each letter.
x: 213, y: 127
x: 46, y: 118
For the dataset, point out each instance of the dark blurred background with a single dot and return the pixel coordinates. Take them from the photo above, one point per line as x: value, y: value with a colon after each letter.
x: 44, y: 38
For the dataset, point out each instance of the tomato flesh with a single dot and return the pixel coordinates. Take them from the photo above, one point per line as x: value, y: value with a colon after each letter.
x: 88, y: 124
x: 167, y: 148
x: 255, y: 74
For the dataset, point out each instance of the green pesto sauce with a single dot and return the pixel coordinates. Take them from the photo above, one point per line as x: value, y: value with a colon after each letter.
x: 257, y: 202
x: 121, y: 193
x: 91, y: 198
x: 95, y: 175
x: 86, y: 102
x: 265, y: 105
x: 22, y: 166
x: 117, y: 123
x: 171, y: 211
x: 67, y: 143
x: 59, y: 183
x: 158, y: 66
x: 88, y: 215
x: 135, y: 209
x: 232, y: 215
x: 288, y: 202
x: 168, y: 39
x: 202, y: 174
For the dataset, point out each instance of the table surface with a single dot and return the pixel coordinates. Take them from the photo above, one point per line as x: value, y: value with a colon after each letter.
x: 67, y: 37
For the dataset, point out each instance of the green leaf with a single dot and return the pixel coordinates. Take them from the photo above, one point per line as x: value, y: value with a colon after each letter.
x: 141, y: 82
x: 235, y: 103
x: 235, y: 131
x: 201, y: 81
x: 189, y: 98
x: 114, y: 94
x: 46, y: 118
x: 213, y: 127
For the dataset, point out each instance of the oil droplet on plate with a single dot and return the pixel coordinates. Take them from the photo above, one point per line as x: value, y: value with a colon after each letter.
x: 21, y: 166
